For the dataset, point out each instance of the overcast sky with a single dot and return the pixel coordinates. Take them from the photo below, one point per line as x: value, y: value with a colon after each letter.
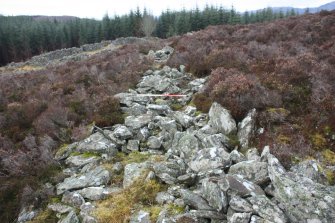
x: 97, y: 8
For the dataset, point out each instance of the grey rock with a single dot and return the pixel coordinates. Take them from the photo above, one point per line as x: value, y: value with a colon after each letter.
x: 185, y: 120
x: 246, y: 129
x: 310, y: 169
x: 186, y: 145
x: 81, y: 160
x: 300, y: 197
x: 133, y: 171
x: 236, y: 185
x: 252, y: 154
x: 268, y: 210
x: 96, y: 177
x: 117, y: 167
x: 187, y: 179
x: 240, y: 218
x: 239, y: 204
x: 164, y: 198
x: 154, y: 142
x: 215, y: 140
x: 26, y: 215
x: 207, y: 214
x: 169, y: 171
x: 209, y: 159
x: 133, y: 145
x: 194, y: 200
x: 122, y: 132
x: 97, y: 143
x: 73, y: 199
x: 137, y: 122
x: 130, y: 99
x: 221, y: 120
x: 140, y: 217
x: 236, y: 157
x: 70, y: 218
x: 257, y: 219
x: 60, y: 208
x: 94, y: 193
x: 159, y: 109
x: 143, y: 134
x: 167, y: 124
x: 254, y: 171
x: 86, y: 209
x: 212, y: 192
x: 190, y: 110
x: 197, y: 84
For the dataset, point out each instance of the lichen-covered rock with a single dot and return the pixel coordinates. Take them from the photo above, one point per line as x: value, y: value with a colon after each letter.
x: 70, y: 218
x: 194, y: 200
x: 215, y: 140
x: 122, y: 132
x: 94, y: 193
x: 239, y: 186
x: 164, y: 198
x: 133, y: 171
x: 185, y: 120
x: 169, y: 171
x: 300, y: 197
x: 246, y: 129
x: 60, y: 208
x: 73, y: 198
x: 268, y: 210
x: 212, y: 192
x: 159, y: 109
x: 221, y: 120
x: 310, y: 169
x: 140, y: 217
x: 253, y: 154
x: 154, y: 142
x: 26, y: 215
x: 239, y: 204
x: 133, y: 145
x: 236, y: 157
x: 254, y: 171
x: 137, y: 122
x: 240, y: 218
x: 97, y: 143
x: 185, y: 144
x: 209, y: 159
x: 81, y: 160
x: 96, y: 177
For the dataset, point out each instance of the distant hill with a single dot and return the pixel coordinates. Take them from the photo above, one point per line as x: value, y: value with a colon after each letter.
x: 52, y: 18
x: 329, y: 7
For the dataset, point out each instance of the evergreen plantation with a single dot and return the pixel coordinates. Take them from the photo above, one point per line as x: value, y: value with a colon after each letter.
x: 22, y: 37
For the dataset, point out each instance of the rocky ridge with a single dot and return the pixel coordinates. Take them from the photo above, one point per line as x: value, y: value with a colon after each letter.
x: 193, y: 153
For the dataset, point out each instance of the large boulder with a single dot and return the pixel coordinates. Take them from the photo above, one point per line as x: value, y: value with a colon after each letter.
x: 169, y: 171
x: 96, y: 177
x: 300, y: 197
x: 209, y: 159
x: 254, y: 171
x: 221, y: 120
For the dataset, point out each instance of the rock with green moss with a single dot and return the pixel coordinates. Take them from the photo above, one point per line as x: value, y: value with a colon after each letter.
x: 65, y: 151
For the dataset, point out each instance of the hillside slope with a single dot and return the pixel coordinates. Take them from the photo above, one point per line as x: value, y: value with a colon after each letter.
x: 284, y: 69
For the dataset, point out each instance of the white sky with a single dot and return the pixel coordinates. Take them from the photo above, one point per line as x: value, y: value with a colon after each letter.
x: 97, y: 8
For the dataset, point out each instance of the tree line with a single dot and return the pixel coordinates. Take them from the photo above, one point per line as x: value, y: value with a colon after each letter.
x: 22, y: 37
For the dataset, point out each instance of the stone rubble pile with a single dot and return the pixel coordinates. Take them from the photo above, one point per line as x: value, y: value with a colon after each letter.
x: 205, y: 172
